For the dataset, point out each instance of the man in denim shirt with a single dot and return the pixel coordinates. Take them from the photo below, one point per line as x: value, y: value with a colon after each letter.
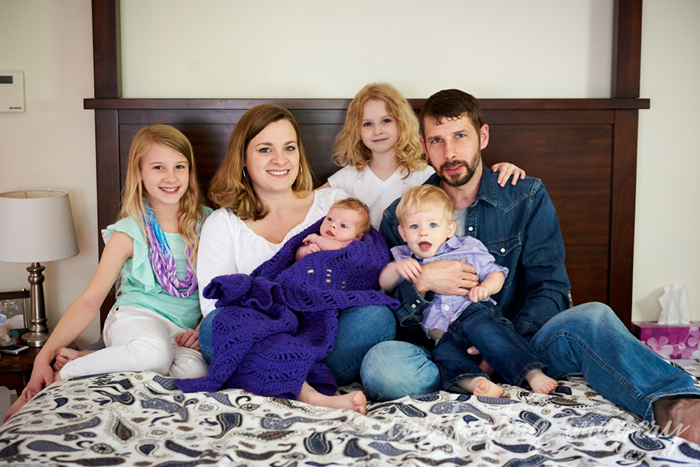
x: 519, y: 226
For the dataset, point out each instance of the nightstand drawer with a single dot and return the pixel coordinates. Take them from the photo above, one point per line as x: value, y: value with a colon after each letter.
x: 15, y: 370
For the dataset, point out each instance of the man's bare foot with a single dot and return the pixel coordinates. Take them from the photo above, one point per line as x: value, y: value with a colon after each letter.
x: 355, y: 401
x: 65, y: 355
x: 678, y: 416
x: 481, y: 386
x: 539, y: 382
x: 14, y: 408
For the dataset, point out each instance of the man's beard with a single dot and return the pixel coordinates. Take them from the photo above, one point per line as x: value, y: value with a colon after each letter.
x: 458, y: 180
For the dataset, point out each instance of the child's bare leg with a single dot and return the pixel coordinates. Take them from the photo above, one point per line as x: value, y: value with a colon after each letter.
x: 65, y: 355
x: 481, y: 386
x: 355, y: 401
x: 539, y: 382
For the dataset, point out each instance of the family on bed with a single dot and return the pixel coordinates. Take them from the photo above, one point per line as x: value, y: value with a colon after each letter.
x: 278, y: 291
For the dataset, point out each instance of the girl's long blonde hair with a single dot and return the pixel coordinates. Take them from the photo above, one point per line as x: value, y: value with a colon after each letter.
x: 134, y: 194
x: 349, y: 148
x: 231, y: 187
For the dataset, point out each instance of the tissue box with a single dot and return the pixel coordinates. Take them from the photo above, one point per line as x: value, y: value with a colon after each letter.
x: 673, y: 342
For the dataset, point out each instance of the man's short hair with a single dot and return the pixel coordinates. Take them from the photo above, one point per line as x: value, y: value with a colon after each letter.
x: 359, y: 207
x: 451, y: 104
x: 424, y: 198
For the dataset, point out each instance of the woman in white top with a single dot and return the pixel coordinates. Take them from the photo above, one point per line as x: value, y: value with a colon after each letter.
x: 265, y: 193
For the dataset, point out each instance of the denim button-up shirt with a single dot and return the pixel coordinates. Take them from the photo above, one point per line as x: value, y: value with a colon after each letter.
x: 519, y: 226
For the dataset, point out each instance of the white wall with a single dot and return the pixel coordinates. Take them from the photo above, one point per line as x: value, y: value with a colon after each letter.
x: 319, y: 48
x: 52, y: 144
x: 536, y: 49
x: 668, y: 191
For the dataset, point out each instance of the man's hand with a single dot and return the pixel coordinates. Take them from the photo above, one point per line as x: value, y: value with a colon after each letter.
x: 447, y: 278
x: 485, y: 367
x: 189, y: 338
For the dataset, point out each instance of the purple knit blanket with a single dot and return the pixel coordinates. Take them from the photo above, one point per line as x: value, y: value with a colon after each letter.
x: 277, y: 324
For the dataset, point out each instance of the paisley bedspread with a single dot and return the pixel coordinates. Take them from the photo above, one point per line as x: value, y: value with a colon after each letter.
x: 141, y: 419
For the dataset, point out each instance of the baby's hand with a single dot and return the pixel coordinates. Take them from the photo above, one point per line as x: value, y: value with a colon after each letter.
x: 479, y: 293
x: 312, y: 239
x: 307, y: 249
x: 408, y: 268
x: 189, y: 338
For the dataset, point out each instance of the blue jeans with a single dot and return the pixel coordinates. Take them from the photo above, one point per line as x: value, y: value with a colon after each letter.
x: 359, y: 329
x: 588, y: 338
x: 482, y: 325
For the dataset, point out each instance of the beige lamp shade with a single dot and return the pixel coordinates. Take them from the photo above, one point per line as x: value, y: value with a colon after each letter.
x: 36, y: 226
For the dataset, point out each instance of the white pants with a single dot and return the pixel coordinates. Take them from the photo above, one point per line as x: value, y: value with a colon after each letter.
x: 139, y: 339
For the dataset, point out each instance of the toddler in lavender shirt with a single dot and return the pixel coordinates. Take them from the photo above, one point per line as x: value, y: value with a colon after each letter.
x: 426, y: 224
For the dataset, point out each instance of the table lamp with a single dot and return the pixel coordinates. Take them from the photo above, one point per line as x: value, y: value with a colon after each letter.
x: 36, y: 226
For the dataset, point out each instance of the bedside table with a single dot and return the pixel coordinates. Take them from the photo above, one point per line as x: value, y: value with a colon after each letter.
x: 15, y: 370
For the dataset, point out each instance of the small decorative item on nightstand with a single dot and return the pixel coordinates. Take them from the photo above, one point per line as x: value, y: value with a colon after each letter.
x: 41, y: 229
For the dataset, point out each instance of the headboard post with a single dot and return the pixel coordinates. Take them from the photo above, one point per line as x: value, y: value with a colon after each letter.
x: 106, y: 49
x: 627, y: 49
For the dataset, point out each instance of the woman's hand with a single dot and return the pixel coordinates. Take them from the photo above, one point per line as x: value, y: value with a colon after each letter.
x: 505, y: 170
x: 189, y: 339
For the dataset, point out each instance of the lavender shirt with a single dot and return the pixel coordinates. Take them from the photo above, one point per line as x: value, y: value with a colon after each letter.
x: 446, y: 308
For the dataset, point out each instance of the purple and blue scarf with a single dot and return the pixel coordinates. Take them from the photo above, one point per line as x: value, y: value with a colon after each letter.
x: 162, y: 260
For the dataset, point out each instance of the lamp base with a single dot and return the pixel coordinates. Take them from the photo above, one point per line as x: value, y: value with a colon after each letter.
x: 38, y: 332
x: 35, y: 339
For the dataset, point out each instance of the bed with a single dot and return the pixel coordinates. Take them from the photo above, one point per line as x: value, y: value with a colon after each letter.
x: 584, y: 150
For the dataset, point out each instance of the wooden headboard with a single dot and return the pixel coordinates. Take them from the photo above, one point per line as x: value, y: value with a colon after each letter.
x: 584, y: 150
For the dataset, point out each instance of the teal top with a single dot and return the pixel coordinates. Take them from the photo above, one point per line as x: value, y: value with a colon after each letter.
x: 139, y: 284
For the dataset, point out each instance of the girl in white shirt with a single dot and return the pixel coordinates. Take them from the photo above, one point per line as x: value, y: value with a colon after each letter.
x: 380, y: 150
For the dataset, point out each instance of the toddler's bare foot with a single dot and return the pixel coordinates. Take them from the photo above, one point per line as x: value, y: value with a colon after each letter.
x: 14, y: 408
x: 355, y: 401
x: 481, y: 386
x: 678, y: 416
x: 540, y: 383
x: 65, y: 355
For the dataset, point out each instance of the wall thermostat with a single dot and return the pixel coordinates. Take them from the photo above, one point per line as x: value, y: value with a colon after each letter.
x: 11, y: 91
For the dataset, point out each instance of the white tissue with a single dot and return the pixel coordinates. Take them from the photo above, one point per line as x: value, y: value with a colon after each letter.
x: 674, y: 305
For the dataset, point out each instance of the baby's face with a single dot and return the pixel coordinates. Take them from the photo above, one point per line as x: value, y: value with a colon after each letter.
x: 425, y: 231
x: 342, y: 225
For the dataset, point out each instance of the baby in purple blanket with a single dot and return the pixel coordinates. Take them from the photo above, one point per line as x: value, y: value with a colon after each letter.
x: 277, y: 324
x: 347, y: 220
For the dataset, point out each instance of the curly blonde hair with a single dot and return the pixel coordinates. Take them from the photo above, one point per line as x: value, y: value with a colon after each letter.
x: 349, y: 148
x: 191, y: 210
x: 231, y: 187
